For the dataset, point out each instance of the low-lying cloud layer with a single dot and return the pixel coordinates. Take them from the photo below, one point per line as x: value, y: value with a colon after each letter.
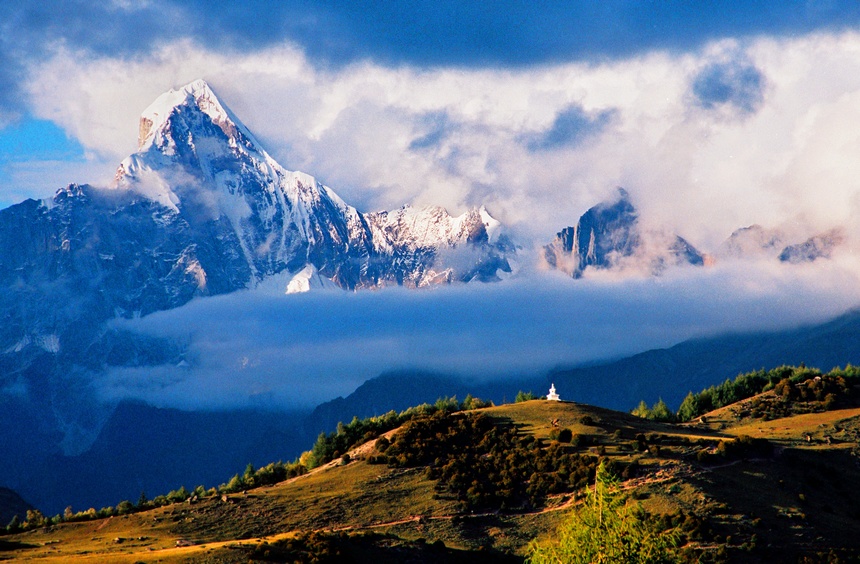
x: 262, y: 349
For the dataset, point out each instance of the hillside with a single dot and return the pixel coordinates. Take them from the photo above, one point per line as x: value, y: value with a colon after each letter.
x: 12, y: 504
x: 783, y: 494
x: 697, y: 363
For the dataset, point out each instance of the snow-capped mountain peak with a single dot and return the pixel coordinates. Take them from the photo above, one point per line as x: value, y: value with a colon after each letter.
x: 198, y: 160
x: 197, y: 95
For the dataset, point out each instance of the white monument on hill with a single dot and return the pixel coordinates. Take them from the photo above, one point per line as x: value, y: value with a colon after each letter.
x: 552, y: 395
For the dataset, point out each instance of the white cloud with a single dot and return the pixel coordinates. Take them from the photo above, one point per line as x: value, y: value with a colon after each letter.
x: 42, y: 179
x: 255, y: 348
x: 700, y: 171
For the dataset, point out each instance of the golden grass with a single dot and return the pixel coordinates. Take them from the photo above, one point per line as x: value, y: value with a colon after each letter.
x: 360, y: 496
x: 795, y: 427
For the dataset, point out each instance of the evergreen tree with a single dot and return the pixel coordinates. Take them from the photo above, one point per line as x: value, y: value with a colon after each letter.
x: 661, y: 412
x: 607, y: 528
x: 642, y: 410
x: 690, y: 408
x: 524, y: 396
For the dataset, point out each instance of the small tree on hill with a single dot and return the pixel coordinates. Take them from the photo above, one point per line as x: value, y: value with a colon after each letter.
x: 524, y: 396
x: 607, y: 528
x: 690, y: 408
x: 642, y: 410
x: 35, y: 519
x: 124, y: 507
x: 661, y: 412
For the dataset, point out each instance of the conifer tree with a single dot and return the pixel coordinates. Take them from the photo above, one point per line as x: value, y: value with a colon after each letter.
x: 607, y: 528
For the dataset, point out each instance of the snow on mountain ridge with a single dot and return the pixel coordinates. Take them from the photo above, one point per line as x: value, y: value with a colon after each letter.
x: 197, y: 159
x: 198, y: 93
x: 420, y: 227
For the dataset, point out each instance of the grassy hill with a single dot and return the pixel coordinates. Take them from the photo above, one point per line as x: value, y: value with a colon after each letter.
x: 742, y: 488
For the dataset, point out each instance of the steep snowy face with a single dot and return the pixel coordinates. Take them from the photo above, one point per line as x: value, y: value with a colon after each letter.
x: 197, y: 159
x: 435, y: 247
x: 430, y: 226
x: 609, y: 236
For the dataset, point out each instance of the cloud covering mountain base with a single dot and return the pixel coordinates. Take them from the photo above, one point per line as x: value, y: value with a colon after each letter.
x: 258, y: 348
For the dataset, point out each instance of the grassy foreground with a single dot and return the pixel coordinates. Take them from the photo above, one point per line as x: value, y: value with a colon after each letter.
x: 784, y: 492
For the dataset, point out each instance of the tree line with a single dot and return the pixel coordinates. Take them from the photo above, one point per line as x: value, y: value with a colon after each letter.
x: 790, y: 383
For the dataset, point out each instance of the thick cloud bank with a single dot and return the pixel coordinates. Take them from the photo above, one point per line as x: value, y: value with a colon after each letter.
x: 259, y: 348
x: 760, y: 131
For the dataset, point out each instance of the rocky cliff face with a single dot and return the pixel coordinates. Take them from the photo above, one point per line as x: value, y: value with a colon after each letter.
x: 609, y: 236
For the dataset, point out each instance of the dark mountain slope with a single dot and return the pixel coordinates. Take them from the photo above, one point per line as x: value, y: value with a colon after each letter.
x: 12, y: 504
x: 696, y: 364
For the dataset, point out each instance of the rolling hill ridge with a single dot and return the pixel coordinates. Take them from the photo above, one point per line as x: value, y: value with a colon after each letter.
x: 764, y: 479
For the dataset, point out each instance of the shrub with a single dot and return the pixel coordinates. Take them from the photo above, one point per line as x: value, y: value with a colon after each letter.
x: 487, y: 466
x: 124, y: 507
x: 382, y: 444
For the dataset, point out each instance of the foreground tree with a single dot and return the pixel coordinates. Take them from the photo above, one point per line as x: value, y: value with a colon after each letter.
x: 608, y: 528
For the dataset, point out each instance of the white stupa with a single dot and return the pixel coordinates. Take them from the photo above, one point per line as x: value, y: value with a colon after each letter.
x: 552, y: 395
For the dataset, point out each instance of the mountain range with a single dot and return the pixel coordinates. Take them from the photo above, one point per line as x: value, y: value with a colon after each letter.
x: 201, y: 209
